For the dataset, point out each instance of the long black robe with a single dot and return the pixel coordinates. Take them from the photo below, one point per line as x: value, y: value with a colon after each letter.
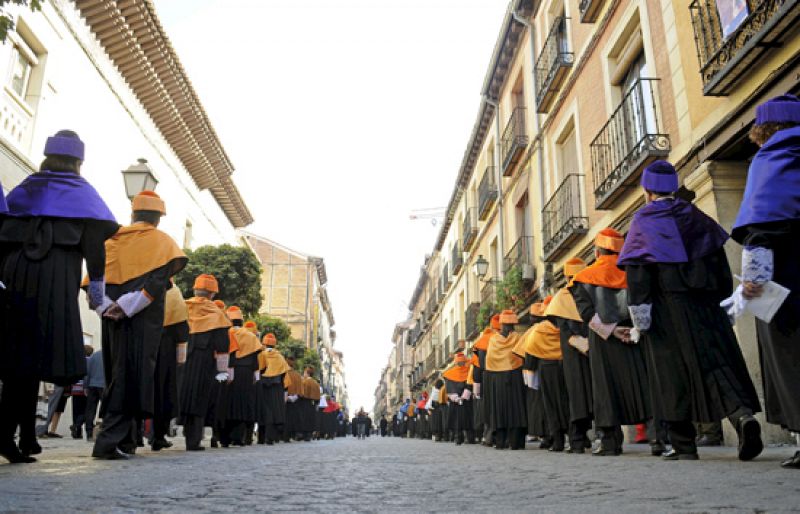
x: 478, y: 405
x: 271, y: 405
x: 619, y: 373
x: 504, y: 399
x: 130, y: 347
x: 779, y: 340
x: 40, y: 265
x: 554, y: 396
x: 197, y: 389
x: 166, y: 374
x: 461, y: 415
x: 241, y: 401
x: 577, y: 371
x: 534, y: 405
x: 696, y: 368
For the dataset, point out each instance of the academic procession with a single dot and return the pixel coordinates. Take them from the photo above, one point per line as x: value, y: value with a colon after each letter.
x: 618, y: 259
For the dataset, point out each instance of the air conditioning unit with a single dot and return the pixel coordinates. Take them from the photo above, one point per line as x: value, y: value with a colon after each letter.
x: 528, y: 272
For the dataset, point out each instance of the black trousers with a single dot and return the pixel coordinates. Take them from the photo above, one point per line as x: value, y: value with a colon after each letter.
x: 577, y: 431
x: 78, y: 412
x: 18, y: 410
x: 193, y: 428
x: 611, y: 438
x: 160, y: 426
x: 93, y: 396
x: 119, y: 431
x: 683, y: 434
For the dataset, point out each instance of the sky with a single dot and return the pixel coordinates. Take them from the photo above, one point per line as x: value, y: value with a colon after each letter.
x: 341, y: 117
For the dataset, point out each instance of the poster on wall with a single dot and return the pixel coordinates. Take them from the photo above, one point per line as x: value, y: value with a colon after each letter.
x: 731, y: 14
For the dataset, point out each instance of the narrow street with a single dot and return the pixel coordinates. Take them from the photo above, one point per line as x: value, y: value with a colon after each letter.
x: 394, y: 475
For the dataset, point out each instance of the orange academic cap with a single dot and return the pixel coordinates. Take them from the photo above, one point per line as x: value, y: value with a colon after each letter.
x: 508, y: 317
x: 495, y: 323
x: 234, y: 313
x: 460, y: 357
x: 269, y: 340
x: 609, y: 239
x: 573, y: 266
x: 220, y: 304
x: 148, y: 201
x: 206, y: 282
x: 537, y: 309
x: 251, y: 326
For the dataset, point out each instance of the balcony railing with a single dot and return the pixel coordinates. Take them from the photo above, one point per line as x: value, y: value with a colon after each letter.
x: 553, y: 65
x: 489, y: 295
x: 446, y: 279
x: 630, y: 139
x: 430, y: 363
x: 457, y: 260
x: 514, y: 141
x: 471, y: 320
x: 521, y: 255
x: 470, y: 228
x: 563, y: 219
x: 487, y: 193
x: 728, y: 50
x: 456, y: 335
x: 590, y: 10
x: 446, y: 347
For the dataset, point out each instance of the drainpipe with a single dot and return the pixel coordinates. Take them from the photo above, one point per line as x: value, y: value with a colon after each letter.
x: 498, y: 177
x: 536, y: 121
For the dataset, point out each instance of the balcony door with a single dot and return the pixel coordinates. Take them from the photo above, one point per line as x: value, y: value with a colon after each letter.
x: 637, y: 103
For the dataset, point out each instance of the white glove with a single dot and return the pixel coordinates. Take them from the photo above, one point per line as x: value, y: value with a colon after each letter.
x: 256, y: 376
x: 635, y: 335
x: 476, y: 390
x: 757, y: 264
x: 292, y: 398
x: 133, y: 303
x: 466, y: 395
x: 735, y: 305
x: 221, y: 377
x: 453, y: 397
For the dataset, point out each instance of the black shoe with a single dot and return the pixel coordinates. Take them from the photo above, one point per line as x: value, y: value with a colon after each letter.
x: 14, y: 456
x: 657, y: 449
x: 160, y: 444
x: 546, y: 443
x: 53, y: 435
x: 674, y: 455
x: 28, y: 449
x: 128, y: 449
x: 750, y: 444
x: 708, y: 441
x: 792, y: 462
x: 603, y: 452
x: 577, y: 449
x: 214, y: 442
x: 195, y: 448
x: 117, y: 454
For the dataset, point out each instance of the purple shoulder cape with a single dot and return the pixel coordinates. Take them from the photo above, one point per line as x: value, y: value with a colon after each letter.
x: 670, y: 232
x: 3, y: 204
x: 59, y: 195
x: 772, y: 192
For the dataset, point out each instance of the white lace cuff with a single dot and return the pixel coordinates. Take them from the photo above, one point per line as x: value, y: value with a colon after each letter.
x: 640, y: 315
x: 757, y: 264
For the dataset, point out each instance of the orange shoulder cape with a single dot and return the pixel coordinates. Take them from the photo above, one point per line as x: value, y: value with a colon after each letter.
x: 500, y: 354
x: 563, y: 306
x: 545, y: 341
x: 604, y: 273
x: 293, y: 382
x: 482, y: 343
x: 243, y: 342
x: 274, y: 363
x: 204, y: 315
x: 138, y: 249
x: 456, y: 373
x: 175, y: 309
x: 310, y: 389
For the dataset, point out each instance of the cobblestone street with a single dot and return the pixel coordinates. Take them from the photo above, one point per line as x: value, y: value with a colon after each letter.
x: 394, y: 475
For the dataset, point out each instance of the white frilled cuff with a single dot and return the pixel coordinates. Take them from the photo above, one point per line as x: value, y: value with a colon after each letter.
x: 641, y: 316
x: 757, y: 264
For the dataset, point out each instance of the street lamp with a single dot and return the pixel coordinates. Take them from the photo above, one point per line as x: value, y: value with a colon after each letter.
x: 481, y: 267
x: 138, y: 177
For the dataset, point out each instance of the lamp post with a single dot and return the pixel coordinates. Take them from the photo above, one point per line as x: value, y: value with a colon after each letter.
x: 138, y: 177
x: 481, y: 267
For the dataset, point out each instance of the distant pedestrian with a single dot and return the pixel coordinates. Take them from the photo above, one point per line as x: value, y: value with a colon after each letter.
x: 383, y: 425
x: 94, y: 384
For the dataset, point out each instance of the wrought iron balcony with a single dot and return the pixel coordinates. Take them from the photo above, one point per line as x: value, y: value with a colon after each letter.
x: 521, y: 255
x: 487, y: 193
x: 469, y: 228
x: 446, y: 279
x: 630, y: 140
x: 446, y: 347
x: 590, y: 10
x: 457, y: 260
x: 456, y: 334
x: 553, y: 65
x: 471, y: 320
x: 727, y: 49
x: 489, y: 294
x: 514, y: 140
x: 563, y: 220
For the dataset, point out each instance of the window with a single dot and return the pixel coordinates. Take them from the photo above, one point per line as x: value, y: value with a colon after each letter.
x: 20, y: 72
x: 640, y: 114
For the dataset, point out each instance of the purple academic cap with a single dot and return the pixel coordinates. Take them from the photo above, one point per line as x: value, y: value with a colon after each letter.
x: 781, y: 109
x: 65, y: 142
x: 660, y: 177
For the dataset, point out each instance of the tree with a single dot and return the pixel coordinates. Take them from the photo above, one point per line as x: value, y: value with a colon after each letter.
x: 303, y: 356
x: 6, y: 22
x: 236, y: 269
x: 276, y: 326
x: 511, y: 291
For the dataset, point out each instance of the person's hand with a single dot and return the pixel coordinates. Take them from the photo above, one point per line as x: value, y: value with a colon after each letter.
x: 752, y: 290
x: 623, y: 334
x: 114, y: 312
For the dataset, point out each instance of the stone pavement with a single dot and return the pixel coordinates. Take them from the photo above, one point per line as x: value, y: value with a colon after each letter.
x: 395, y: 475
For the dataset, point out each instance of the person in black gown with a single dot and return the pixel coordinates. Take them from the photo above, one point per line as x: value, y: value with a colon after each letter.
x: 768, y: 226
x: 460, y: 397
x: 271, y: 392
x: 677, y: 275
x: 534, y: 405
x: 504, y: 387
x: 237, y: 407
x: 55, y: 220
x: 140, y: 260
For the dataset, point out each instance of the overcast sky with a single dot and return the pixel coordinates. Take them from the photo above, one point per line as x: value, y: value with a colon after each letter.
x: 341, y: 117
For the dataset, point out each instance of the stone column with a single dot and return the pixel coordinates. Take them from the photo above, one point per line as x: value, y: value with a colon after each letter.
x: 719, y: 186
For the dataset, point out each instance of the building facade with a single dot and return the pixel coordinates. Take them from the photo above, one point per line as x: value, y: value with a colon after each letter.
x: 579, y: 96
x: 107, y: 70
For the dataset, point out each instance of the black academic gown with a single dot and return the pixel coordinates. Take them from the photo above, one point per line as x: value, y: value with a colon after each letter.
x: 461, y: 418
x: 619, y: 373
x: 197, y: 389
x: 478, y: 409
x: 534, y: 405
x: 577, y: 372
x: 271, y: 407
x: 696, y: 368
x: 166, y: 374
x: 779, y: 340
